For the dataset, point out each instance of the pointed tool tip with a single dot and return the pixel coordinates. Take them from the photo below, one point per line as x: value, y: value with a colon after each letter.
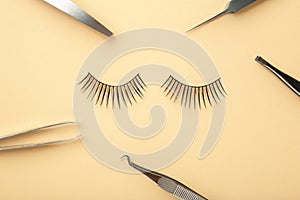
x: 126, y: 157
x: 191, y: 29
x: 108, y: 34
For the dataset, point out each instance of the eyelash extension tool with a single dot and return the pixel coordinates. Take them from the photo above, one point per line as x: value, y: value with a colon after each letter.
x: 24, y: 146
x: 291, y: 82
x: 232, y: 7
x: 70, y: 8
x: 168, y: 184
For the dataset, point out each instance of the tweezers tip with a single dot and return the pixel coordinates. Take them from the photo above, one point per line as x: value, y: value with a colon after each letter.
x: 191, y: 29
x: 125, y: 156
x: 128, y: 159
x: 258, y: 58
x: 106, y: 32
x: 261, y: 60
x: 109, y: 34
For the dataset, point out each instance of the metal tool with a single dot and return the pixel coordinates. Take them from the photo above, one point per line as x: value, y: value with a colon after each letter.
x: 232, y: 7
x: 291, y: 82
x: 168, y: 184
x: 70, y: 8
x: 23, y: 146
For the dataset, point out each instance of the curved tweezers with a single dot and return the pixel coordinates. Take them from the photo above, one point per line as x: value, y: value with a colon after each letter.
x: 23, y: 146
x: 167, y: 183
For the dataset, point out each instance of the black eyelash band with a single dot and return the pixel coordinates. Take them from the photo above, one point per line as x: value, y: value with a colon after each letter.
x: 194, y: 96
x: 109, y: 94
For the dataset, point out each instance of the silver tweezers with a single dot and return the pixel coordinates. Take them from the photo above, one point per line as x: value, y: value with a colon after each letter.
x: 232, y: 7
x: 23, y: 146
x: 70, y: 8
x: 168, y: 184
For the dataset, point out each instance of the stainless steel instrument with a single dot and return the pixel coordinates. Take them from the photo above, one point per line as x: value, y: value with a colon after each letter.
x: 23, y: 146
x: 168, y: 184
x: 70, y: 8
x: 232, y: 7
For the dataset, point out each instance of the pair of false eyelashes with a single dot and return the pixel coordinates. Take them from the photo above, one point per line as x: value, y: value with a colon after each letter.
x: 196, y: 96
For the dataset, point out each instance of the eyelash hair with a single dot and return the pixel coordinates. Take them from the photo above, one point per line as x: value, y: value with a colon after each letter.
x: 111, y: 94
x: 194, y: 95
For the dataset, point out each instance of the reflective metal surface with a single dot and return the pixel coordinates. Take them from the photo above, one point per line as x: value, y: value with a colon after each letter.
x: 70, y: 8
x: 291, y: 82
x: 168, y: 184
x: 232, y: 7
x: 23, y: 146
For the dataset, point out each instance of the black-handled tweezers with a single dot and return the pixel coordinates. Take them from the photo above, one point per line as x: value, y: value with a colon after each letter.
x: 291, y: 82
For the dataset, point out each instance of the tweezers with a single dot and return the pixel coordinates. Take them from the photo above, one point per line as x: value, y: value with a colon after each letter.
x: 70, y: 8
x: 168, y: 184
x: 291, y: 82
x: 232, y: 7
x: 23, y: 146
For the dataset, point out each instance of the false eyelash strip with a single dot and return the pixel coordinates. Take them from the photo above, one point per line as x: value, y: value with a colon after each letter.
x: 109, y: 94
x: 197, y: 96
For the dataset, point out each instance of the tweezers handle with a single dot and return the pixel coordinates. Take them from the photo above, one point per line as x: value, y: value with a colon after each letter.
x: 184, y: 193
x: 236, y: 5
x: 23, y: 146
x: 291, y: 82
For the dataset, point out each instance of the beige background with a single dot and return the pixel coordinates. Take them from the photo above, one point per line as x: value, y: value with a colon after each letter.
x: 258, y: 155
